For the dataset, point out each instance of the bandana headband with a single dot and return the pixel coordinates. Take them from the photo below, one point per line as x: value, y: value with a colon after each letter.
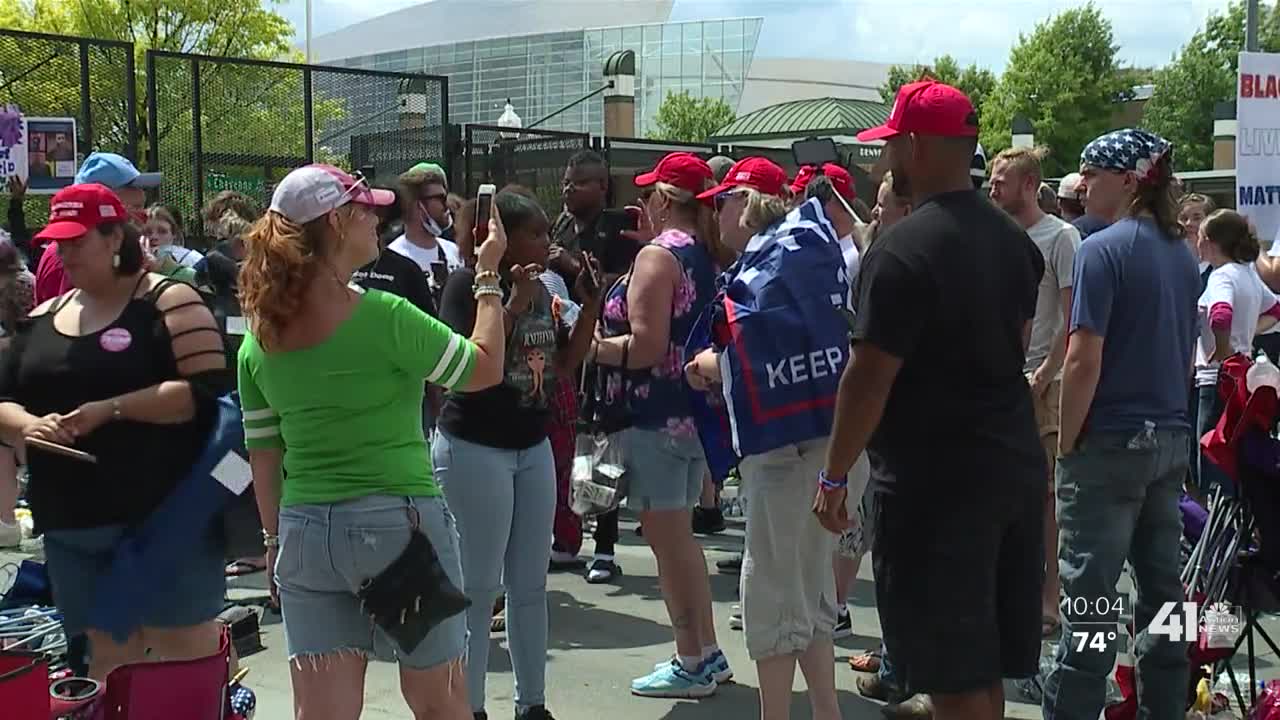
x: 1128, y: 150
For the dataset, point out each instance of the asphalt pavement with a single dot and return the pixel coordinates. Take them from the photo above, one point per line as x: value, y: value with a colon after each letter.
x: 604, y: 635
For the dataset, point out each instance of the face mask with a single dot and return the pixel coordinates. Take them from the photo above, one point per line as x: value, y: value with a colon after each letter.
x: 429, y: 223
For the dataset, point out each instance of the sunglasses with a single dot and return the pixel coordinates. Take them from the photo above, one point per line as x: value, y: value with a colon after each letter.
x: 722, y: 198
x: 361, y: 184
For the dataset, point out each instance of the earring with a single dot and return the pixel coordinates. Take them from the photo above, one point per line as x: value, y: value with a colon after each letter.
x: 115, y: 260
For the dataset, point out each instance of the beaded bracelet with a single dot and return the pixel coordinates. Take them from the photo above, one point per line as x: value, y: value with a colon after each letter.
x: 831, y: 484
x: 480, y: 291
x: 485, y: 276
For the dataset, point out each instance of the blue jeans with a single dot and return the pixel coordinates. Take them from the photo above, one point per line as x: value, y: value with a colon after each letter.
x: 1118, y: 500
x: 505, y: 504
x: 1209, y: 407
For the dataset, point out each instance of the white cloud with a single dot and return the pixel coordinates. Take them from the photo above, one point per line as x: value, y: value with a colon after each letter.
x: 1148, y: 32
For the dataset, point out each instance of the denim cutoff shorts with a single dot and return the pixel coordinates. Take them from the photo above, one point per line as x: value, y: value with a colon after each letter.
x: 328, y: 551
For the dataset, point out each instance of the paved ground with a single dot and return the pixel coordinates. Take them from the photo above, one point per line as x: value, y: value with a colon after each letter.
x: 601, y: 637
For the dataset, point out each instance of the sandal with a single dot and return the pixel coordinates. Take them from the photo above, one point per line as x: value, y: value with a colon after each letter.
x: 1049, y: 626
x: 498, y: 623
x: 867, y: 662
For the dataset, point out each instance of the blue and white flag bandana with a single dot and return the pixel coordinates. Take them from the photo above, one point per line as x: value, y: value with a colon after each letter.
x: 1128, y: 150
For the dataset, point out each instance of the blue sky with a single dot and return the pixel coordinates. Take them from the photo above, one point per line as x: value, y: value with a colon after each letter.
x: 1147, y: 31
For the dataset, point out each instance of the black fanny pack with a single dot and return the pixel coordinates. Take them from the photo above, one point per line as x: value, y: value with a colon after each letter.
x: 413, y: 595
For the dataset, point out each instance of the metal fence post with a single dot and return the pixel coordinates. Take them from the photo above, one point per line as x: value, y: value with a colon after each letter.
x: 131, y: 104
x: 153, y: 124
x: 308, y: 121
x: 445, y: 155
x: 86, y: 108
x: 197, y: 161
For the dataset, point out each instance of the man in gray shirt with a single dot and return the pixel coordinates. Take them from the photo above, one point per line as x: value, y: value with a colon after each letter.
x: 1015, y: 182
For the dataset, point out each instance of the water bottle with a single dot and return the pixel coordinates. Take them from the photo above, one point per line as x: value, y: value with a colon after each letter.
x: 1263, y: 372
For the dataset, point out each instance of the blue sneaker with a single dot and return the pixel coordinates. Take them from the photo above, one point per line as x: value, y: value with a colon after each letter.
x: 717, y: 665
x: 673, y: 681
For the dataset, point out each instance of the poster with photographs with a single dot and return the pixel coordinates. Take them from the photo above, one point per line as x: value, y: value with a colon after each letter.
x: 51, y: 154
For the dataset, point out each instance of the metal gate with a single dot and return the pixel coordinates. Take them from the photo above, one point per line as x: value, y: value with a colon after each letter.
x: 59, y: 76
x: 257, y: 120
x: 535, y: 159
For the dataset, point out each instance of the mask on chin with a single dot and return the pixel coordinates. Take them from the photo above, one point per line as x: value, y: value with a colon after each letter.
x: 429, y: 223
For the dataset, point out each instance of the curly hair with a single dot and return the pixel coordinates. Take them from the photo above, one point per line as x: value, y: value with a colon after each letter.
x: 282, y: 259
x: 228, y: 201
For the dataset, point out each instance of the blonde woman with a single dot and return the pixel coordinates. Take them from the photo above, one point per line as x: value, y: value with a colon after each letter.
x: 788, y: 587
x: 358, y: 483
x: 648, y: 314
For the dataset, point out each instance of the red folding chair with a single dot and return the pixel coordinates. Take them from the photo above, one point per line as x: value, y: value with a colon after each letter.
x: 187, y: 689
x: 24, y: 685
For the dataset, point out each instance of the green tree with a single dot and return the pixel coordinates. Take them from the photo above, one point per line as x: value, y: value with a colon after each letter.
x: 976, y: 82
x: 1201, y: 75
x: 1064, y: 78
x: 245, y: 110
x: 684, y: 118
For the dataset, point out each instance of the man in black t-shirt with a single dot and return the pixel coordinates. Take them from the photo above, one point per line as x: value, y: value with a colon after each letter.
x: 935, y: 393
x: 587, y: 226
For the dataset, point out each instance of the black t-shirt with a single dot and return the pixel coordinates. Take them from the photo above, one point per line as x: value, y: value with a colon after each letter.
x: 512, y: 415
x: 602, y: 238
x: 398, y: 275
x: 949, y: 289
x: 139, y: 464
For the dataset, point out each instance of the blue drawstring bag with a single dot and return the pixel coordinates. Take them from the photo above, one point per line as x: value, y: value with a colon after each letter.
x: 149, y: 553
x: 780, y: 324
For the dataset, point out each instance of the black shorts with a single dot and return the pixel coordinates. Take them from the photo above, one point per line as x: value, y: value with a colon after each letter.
x: 958, y: 586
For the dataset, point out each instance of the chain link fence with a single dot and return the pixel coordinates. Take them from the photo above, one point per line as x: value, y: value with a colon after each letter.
x: 535, y: 159
x: 91, y: 82
x: 258, y: 120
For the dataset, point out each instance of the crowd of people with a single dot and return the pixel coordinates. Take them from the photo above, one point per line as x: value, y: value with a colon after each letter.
x: 1022, y: 375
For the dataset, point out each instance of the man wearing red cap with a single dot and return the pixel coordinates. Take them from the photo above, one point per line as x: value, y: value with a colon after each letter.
x: 833, y: 186
x: 935, y: 393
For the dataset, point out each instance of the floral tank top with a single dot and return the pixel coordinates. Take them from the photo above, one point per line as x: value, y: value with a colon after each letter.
x: 656, y: 398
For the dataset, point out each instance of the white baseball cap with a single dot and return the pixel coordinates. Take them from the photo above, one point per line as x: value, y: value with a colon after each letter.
x: 1067, y: 186
x: 314, y: 190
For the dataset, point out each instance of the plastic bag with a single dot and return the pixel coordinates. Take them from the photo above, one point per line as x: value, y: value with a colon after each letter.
x: 599, y: 474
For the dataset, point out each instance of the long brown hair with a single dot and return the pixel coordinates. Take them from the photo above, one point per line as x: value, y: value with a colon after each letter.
x: 281, y: 260
x: 1160, y: 197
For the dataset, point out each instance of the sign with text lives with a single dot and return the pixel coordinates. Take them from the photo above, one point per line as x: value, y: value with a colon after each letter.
x: 1258, y: 142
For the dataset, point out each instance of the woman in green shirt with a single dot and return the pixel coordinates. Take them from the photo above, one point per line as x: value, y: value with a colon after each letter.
x: 331, y: 381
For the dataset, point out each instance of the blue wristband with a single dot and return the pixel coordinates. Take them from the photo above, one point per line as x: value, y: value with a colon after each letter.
x: 829, y: 483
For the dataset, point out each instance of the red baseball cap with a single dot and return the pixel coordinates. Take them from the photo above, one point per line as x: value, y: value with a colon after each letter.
x: 927, y: 107
x: 77, y: 209
x: 840, y: 179
x: 681, y: 169
x: 754, y: 172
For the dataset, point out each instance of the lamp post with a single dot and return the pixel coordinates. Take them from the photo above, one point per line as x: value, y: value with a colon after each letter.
x: 510, y: 120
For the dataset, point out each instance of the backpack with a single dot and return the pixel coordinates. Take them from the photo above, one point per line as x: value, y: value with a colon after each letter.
x: 780, y: 324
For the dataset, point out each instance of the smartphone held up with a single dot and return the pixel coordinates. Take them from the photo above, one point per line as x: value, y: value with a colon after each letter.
x: 484, y: 210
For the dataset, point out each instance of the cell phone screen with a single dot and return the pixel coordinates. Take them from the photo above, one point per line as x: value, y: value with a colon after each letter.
x: 484, y: 206
x: 439, y: 273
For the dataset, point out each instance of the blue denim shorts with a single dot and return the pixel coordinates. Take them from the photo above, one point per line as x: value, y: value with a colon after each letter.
x: 664, y: 472
x: 328, y: 551
x: 77, y: 559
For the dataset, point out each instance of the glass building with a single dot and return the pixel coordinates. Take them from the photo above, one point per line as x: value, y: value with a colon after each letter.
x: 542, y: 73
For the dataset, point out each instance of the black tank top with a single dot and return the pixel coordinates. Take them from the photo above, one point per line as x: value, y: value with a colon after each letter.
x: 138, y: 463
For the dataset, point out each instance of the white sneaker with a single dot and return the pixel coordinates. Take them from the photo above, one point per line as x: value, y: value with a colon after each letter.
x: 10, y: 535
x: 735, y: 619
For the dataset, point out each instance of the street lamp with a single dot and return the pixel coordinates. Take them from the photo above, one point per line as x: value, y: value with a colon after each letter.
x: 510, y: 120
x: 1024, y: 134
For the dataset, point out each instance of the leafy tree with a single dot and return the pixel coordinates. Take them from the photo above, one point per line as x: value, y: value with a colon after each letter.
x: 976, y: 82
x: 1201, y: 75
x: 245, y: 110
x: 1063, y: 77
x: 684, y: 118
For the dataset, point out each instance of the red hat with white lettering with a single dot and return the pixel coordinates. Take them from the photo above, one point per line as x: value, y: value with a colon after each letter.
x: 77, y: 209
x: 754, y: 172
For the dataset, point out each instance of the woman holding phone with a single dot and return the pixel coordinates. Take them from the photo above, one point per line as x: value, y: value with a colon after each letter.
x: 493, y: 457
x: 125, y: 361
x: 339, y: 475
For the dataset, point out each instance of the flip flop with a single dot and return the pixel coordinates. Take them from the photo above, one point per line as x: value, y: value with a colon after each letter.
x: 867, y: 662
x: 240, y: 568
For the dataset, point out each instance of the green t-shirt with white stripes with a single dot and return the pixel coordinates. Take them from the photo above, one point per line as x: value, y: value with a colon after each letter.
x: 348, y: 411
